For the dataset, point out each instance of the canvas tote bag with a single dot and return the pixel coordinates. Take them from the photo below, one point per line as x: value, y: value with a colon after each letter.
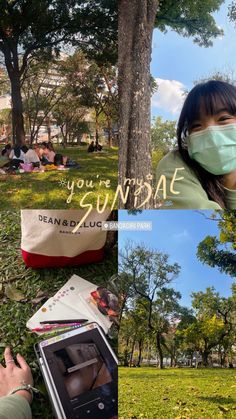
x: 47, y: 238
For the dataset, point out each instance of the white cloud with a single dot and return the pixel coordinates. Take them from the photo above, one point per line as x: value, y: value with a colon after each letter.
x: 182, y: 236
x: 169, y: 95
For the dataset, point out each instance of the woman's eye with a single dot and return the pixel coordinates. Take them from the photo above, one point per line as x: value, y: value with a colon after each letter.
x: 225, y: 118
x: 195, y: 127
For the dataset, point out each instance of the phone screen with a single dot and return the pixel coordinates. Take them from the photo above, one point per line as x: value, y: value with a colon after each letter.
x: 82, y: 367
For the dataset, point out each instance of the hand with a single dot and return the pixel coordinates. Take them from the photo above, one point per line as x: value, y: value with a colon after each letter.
x: 13, y: 376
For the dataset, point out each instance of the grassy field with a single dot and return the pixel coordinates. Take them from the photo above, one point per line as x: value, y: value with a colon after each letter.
x: 44, y: 190
x: 149, y: 393
x: 21, y: 290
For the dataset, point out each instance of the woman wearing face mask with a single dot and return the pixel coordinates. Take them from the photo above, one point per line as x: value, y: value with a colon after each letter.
x: 206, y: 155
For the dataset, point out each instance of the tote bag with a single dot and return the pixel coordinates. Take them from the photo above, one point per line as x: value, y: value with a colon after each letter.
x: 48, y: 240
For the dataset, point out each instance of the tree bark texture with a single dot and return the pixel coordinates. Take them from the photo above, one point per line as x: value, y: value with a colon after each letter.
x: 136, y: 23
x: 159, y: 349
x: 132, y: 351
x: 17, y: 111
x: 205, y: 355
x: 12, y: 66
x: 140, y: 347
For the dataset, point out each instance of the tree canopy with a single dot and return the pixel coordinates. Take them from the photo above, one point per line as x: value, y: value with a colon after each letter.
x: 37, y: 28
x: 221, y: 251
x: 163, y: 134
x: 190, y: 19
x: 34, y: 25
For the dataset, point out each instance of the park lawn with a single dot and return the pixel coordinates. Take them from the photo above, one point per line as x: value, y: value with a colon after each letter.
x: 149, y: 393
x: 30, y: 283
x: 44, y: 190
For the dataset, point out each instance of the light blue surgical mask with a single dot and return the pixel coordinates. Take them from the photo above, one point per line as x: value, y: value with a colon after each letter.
x: 214, y: 148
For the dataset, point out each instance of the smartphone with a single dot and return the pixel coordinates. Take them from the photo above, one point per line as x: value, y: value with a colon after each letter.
x: 80, y: 371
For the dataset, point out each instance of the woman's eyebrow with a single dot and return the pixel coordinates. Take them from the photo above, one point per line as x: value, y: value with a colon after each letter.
x: 195, y: 121
x: 222, y: 110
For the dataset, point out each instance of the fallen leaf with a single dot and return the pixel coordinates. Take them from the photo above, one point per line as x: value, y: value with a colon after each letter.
x: 224, y: 409
x: 1, y: 291
x: 40, y: 296
x: 14, y: 294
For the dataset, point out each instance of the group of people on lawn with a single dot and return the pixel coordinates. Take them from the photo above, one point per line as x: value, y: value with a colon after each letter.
x: 31, y: 157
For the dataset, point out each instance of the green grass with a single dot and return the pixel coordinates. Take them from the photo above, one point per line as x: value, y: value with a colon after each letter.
x: 149, y: 393
x: 43, y: 190
x: 30, y: 282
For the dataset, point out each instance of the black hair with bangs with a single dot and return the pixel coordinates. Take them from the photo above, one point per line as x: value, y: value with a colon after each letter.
x: 205, y: 97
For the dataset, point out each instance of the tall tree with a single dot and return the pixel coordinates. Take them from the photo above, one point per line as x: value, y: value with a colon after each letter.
x: 214, y: 321
x: 29, y: 27
x: 42, y: 90
x: 95, y: 86
x: 163, y: 134
x: 150, y: 272
x: 221, y: 251
x: 136, y: 22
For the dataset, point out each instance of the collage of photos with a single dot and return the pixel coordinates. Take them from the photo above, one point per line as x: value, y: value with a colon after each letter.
x: 117, y: 209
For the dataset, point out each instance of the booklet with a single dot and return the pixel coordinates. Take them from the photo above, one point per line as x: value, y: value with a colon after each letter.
x: 73, y: 301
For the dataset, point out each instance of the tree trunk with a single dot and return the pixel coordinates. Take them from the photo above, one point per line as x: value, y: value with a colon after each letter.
x: 17, y: 110
x: 159, y: 349
x: 132, y: 352
x: 126, y: 354
x: 64, y: 135
x: 48, y: 123
x: 205, y: 355
x: 126, y: 358
x: 109, y: 132
x: 140, y: 346
x: 136, y: 22
x: 12, y: 66
x: 191, y: 360
x: 96, y: 130
x: 148, y: 354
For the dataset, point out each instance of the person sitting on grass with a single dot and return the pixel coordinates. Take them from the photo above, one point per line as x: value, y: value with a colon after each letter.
x: 50, y: 152
x: 91, y: 147
x: 94, y: 147
x: 47, y: 153
x: 37, y: 150
x: 16, y: 387
x: 16, y: 157
x: 31, y: 157
x: 4, y: 159
x: 98, y: 147
x: 7, y: 150
x: 24, y: 148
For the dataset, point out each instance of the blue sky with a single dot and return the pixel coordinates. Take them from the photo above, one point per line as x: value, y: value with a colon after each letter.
x: 177, y: 61
x: 178, y: 233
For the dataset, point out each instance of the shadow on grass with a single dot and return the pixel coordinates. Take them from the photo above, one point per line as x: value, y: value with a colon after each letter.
x: 161, y: 374
x: 218, y: 399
